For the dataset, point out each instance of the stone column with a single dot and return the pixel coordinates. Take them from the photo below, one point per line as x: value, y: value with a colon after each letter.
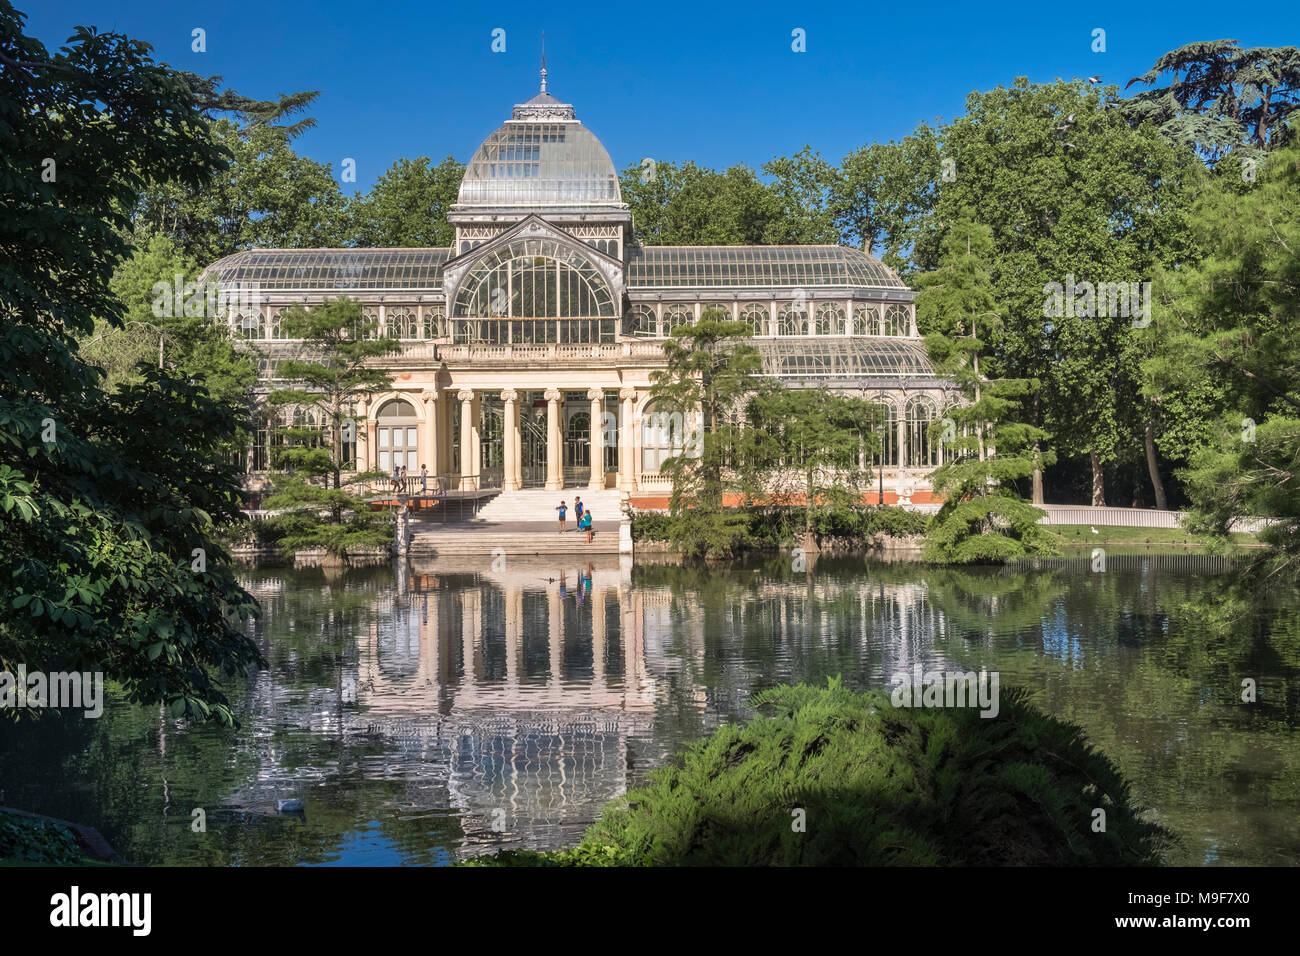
x: 467, y: 469
x: 512, y: 480
x: 554, y: 442
x: 429, y: 453
x: 372, y: 452
x: 597, y: 440
x: 626, y: 445
x: 902, y: 437
x: 363, y: 435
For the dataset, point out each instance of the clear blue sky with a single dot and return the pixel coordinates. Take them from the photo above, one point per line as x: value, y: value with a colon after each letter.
x: 715, y: 83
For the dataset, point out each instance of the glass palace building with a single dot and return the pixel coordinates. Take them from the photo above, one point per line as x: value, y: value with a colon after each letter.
x: 527, y: 349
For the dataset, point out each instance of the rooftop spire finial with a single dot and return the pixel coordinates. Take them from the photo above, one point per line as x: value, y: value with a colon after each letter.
x: 543, y: 61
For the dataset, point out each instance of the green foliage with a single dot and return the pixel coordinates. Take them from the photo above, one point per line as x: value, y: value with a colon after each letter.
x: 1222, y: 98
x: 333, y: 373
x: 107, y: 496
x: 811, y: 444
x: 26, y: 840
x: 1231, y: 320
x: 773, y: 527
x: 989, y: 448
x: 710, y: 373
x: 880, y: 786
x: 408, y: 205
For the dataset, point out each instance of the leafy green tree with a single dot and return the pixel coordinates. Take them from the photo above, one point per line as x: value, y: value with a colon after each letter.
x: 1232, y: 319
x: 884, y: 194
x: 805, y: 186
x: 267, y: 196
x: 1221, y: 98
x: 166, y: 329
x: 408, y: 205
x: 812, y: 444
x: 109, y: 502
x: 710, y: 375
x: 692, y: 206
x: 987, y: 446
x: 1072, y: 193
x: 333, y: 373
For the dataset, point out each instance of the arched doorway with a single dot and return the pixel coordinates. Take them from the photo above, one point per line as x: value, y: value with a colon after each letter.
x: 577, y: 447
x: 397, y: 439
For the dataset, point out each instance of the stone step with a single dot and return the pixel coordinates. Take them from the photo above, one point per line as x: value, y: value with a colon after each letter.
x: 539, y: 505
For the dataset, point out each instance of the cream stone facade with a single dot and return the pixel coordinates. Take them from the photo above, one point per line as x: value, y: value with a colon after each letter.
x: 527, y: 349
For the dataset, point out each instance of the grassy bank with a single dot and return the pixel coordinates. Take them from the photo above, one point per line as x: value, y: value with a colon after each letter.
x: 1075, y: 535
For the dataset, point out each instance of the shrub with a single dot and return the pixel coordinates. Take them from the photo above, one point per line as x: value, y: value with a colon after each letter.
x: 651, y: 526
x: 880, y: 786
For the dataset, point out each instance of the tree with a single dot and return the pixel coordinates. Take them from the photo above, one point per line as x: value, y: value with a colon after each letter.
x: 333, y: 374
x: 1079, y: 203
x: 408, y: 205
x: 987, y: 446
x: 710, y: 374
x: 813, y: 444
x: 804, y: 184
x: 692, y: 206
x: 884, y: 194
x: 1232, y: 319
x: 109, y: 502
x: 1221, y: 98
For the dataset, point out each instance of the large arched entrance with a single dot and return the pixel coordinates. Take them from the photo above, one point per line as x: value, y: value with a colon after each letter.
x: 397, y: 440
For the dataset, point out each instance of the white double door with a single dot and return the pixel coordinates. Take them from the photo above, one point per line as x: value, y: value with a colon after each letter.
x: 398, y: 445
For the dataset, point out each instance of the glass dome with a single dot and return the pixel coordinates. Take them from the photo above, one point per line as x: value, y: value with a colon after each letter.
x: 542, y: 157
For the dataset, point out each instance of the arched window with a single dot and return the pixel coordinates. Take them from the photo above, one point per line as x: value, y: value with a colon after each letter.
x: 250, y: 325
x: 756, y: 316
x: 792, y: 319
x: 897, y: 321
x: 830, y: 319
x: 921, y: 451
x: 435, y: 322
x: 640, y: 320
x: 534, y: 278
x: 401, y: 322
x: 676, y: 315
x: 887, y: 433
x: 368, y: 326
x: 866, y: 320
x: 715, y: 308
x: 277, y: 317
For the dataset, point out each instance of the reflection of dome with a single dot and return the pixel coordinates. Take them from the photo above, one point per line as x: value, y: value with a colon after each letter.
x: 541, y: 157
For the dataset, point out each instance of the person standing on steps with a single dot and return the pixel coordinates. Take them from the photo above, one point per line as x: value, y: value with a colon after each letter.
x: 584, y: 524
x: 563, y: 509
x: 577, y: 510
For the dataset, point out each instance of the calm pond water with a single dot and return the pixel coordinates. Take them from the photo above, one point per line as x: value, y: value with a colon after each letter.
x: 412, y: 709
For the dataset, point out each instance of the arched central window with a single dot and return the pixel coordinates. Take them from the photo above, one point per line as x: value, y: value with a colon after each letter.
x: 534, y: 290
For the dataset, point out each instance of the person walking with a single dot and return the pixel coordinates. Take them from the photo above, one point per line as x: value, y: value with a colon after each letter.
x: 424, y: 480
x: 397, y: 476
x: 406, y: 481
x: 563, y: 509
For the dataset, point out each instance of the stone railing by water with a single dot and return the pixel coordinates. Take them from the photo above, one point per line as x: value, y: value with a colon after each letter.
x: 1130, y: 517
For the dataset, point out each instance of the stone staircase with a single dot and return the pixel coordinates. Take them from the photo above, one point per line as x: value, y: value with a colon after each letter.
x: 534, y: 505
x: 523, y: 522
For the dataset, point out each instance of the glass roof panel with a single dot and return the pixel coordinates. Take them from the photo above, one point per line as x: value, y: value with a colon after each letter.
x: 840, y: 357
x: 294, y: 269
x: 684, y: 267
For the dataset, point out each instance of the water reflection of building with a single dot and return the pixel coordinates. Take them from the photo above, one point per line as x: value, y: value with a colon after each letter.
x: 530, y: 681
x: 495, y: 696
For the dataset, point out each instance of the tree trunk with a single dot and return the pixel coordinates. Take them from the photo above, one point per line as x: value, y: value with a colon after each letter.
x: 1098, y: 481
x: 1036, y: 496
x: 1153, y: 466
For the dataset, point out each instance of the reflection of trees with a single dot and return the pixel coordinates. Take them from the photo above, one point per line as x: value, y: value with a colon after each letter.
x: 545, y: 707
